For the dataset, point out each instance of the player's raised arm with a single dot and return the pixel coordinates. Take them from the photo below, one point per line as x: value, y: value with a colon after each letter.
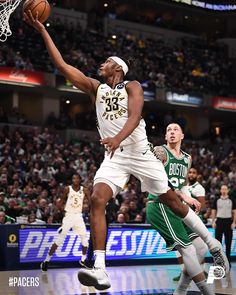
x: 78, y: 79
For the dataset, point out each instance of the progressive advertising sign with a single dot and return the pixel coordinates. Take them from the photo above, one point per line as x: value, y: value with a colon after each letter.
x: 123, y: 243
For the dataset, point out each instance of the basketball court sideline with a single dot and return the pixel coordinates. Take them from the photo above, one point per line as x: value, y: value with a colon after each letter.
x: 126, y: 280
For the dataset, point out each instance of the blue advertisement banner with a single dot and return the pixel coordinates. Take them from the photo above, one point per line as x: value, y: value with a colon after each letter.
x: 122, y: 244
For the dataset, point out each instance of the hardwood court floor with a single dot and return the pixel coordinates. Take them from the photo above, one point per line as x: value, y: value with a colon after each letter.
x: 126, y: 280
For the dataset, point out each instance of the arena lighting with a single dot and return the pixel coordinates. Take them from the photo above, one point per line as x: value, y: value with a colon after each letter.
x: 217, y: 130
x: 113, y: 36
x: 105, y: 5
x: 67, y: 101
x: 47, y: 24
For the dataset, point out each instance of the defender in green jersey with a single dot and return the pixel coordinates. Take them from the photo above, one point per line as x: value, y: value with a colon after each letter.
x: 177, y: 164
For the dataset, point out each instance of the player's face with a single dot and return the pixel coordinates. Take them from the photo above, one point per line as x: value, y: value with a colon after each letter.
x: 174, y: 133
x: 192, y: 175
x: 75, y: 180
x: 107, y: 68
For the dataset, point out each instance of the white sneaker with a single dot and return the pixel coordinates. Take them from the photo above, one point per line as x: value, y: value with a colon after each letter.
x: 96, y: 277
x: 219, y: 257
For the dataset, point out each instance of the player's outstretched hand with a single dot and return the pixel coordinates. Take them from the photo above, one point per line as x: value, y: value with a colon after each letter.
x: 192, y: 202
x: 34, y: 22
x: 111, y: 144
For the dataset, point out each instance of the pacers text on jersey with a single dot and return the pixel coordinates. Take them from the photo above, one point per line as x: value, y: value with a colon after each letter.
x: 113, y: 108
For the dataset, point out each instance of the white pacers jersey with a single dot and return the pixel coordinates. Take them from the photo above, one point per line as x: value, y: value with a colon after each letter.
x: 112, y: 113
x: 197, y: 190
x: 74, y: 201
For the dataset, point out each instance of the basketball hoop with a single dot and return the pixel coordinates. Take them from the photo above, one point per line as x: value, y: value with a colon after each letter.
x: 6, y: 9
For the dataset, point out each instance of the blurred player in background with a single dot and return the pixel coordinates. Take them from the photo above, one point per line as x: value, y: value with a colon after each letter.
x: 119, y: 105
x: 170, y: 226
x: 73, y: 198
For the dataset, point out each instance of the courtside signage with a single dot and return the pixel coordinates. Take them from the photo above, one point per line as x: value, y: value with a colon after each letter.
x: 183, y: 99
x: 21, y: 76
x: 224, y: 103
x: 211, y: 6
x: 122, y: 244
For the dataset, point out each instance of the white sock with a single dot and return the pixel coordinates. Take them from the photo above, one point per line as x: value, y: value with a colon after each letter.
x: 204, y: 267
x: 183, y: 284
x: 83, y: 257
x: 205, y: 288
x: 196, y: 224
x: 48, y: 258
x: 99, y: 259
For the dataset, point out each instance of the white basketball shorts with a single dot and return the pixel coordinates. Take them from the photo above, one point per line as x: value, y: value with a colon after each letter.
x: 137, y: 160
x: 74, y: 221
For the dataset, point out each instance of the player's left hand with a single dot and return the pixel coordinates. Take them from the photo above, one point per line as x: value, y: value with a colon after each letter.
x: 233, y: 225
x: 192, y: 202
x: 111, y: 144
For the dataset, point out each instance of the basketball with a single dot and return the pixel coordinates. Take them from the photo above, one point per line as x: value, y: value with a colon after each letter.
x: 41, y: 6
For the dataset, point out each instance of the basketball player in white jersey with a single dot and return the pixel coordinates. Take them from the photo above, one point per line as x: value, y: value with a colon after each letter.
x: 73, y: 198
x: 119, y: 105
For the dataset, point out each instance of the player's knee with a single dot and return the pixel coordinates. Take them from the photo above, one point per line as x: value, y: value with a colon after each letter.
x: 60, y: 239
x: 190, y: 260
x: 98, y: 201
x: 201, y: 248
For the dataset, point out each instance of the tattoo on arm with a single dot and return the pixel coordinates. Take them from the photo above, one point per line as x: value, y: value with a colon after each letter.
x: 160, y: 153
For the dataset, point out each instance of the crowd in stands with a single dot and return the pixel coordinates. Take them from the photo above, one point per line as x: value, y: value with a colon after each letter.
x: 190, y: 65
x: 35, y: 167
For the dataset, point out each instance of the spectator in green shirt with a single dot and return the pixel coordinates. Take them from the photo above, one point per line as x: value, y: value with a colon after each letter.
x: 5, y: 219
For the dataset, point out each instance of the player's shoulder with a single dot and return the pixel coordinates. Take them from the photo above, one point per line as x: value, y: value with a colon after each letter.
x: 161, y: 148
x: 83, y: 187
x: 129, y: 84
x: 101, y: 86
x: 66, y: 189
x: 200, y: 190
x: 200, y: 185
x: 186, y: 154
x: 94, y: 86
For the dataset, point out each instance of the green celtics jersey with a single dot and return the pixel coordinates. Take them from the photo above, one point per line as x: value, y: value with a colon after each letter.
x: 176, y: 169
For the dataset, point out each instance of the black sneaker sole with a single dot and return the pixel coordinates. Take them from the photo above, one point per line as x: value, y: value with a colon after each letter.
x: 87, y: 280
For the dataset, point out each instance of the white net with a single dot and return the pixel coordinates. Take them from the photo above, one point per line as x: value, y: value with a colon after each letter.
x: 6, y: 9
